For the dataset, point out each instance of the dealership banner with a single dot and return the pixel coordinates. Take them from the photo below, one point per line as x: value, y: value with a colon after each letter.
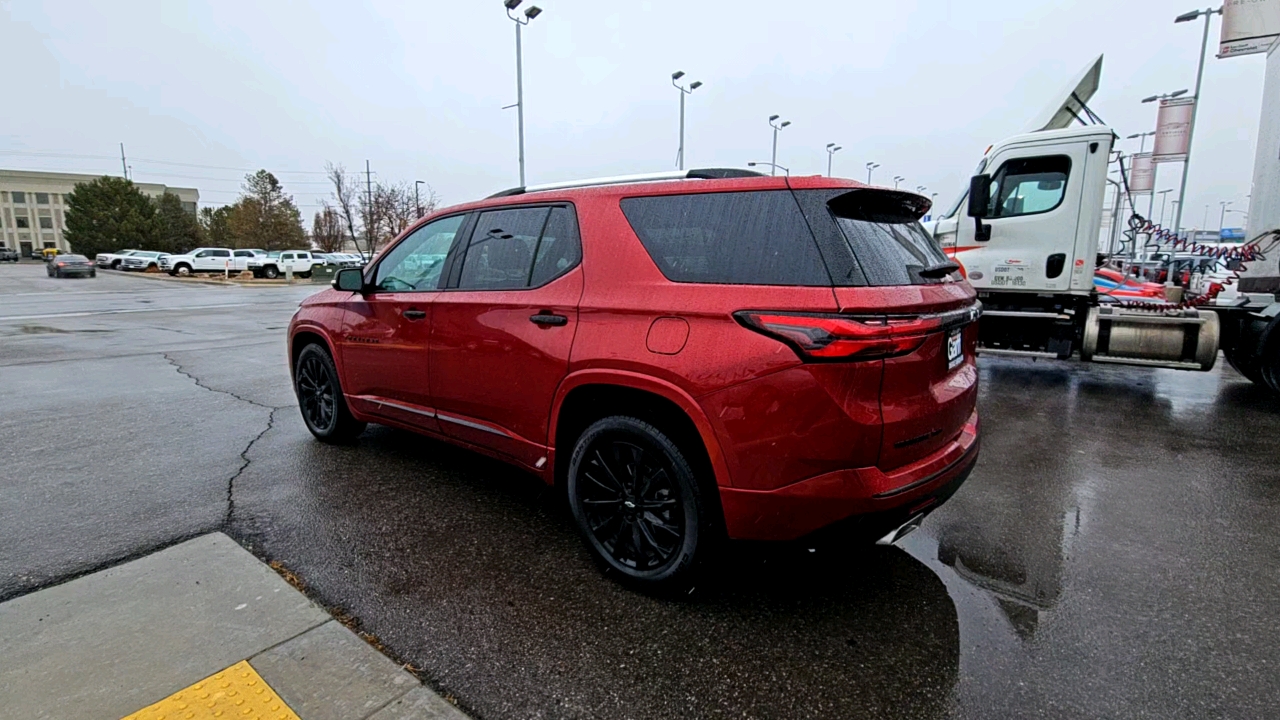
x: 1142, y: 175
x: 1173, y: 130
x: 1248, y: 26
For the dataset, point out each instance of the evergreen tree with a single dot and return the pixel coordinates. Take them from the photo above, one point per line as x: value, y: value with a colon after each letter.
x: 109, y: 214
x: 177, y: 230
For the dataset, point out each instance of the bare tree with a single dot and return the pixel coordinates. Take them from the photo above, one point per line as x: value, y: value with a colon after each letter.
x: 328, y: 231
x: 349, y: 199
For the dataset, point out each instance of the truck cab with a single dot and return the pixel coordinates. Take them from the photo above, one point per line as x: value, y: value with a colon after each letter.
x: 1045, y: 195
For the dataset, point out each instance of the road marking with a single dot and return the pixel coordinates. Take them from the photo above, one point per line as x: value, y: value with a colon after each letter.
x: 238, y: 691
x: 86, y: 313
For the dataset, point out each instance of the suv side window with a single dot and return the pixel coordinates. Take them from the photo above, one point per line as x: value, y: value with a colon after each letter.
x: 415, y: 262
x: 501, y: 252
x: 1027, y: 186
x: 740, y: 238
x: 559, y: 249
x: 221, y: 253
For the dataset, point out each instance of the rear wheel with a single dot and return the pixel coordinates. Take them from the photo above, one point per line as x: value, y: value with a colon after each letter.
x: 304, y: 275
x: 324, y: 410
x: 638, y: 503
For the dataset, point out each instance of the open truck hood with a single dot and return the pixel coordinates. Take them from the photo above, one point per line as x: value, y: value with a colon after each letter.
x: 1068, y: 104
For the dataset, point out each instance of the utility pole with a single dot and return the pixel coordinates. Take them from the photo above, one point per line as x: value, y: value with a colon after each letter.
x: 773, y: 164
x: 683, y: 91
x: 124, y: 166
x: 368, y: 213
x: 529, y: 15
x: 1195, y: 109
x: 417, y: 204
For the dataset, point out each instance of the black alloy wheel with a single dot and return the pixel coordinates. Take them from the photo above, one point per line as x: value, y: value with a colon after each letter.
x: 320, y: 397
x: 637, y: 502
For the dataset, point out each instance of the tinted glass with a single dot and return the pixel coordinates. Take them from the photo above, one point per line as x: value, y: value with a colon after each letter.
x: 42, y: 198
x: 742, y: 238
x: 1029, y: 185
x: 872, y: 237
x: 500, y: 254
x: 415, y: 262
x: 222, y: 253
x: 73, y: 258
x: 19, y: 197
x: 558, y: 248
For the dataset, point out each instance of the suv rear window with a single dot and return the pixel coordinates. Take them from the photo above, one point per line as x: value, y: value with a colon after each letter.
x: 737, y: 238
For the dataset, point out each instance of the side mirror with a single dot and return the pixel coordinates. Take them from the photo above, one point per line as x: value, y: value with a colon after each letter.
x: 349, y: 280
x: 979, y: 195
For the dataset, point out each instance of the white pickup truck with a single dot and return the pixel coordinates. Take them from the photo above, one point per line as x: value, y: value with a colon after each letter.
x: 299, y: 262
x: 112, y: 260
x: 210, y: 260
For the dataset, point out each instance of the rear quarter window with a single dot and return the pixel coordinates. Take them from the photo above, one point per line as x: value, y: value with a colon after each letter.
x: 738, y: 238
x: 874, y: 237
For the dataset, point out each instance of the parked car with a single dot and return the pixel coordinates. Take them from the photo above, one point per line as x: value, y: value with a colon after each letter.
x: 8, y: 254
x: 299, y: 262
x: 67, y: 265
x: 203, y: 260
x: 142, y: 260
x: 721, y: 355
x: 244, y: 256
x: 49, y: 253
x: 112, y: 260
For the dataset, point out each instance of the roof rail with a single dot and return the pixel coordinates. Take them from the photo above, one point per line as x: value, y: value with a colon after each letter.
x: 698, y: 174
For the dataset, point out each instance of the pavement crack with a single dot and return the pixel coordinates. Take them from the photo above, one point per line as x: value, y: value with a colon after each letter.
x: 244, y: 465
x: 178, y: 366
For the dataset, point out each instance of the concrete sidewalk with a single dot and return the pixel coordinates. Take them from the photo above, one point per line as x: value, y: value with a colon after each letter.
x: 190, y: 631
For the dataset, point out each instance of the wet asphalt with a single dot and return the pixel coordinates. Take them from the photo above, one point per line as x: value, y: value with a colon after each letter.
x: 1116, y: 553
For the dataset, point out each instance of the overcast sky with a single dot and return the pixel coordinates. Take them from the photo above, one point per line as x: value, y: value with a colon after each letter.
x: 417, y: 88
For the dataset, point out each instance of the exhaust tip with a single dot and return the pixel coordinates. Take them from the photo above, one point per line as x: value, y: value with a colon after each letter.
x: 902, y: 530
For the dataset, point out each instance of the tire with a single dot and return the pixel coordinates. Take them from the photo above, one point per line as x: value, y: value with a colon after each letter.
x: 638, y: 504
x: 271, y: 272
x: 319, y: 391
x: 182, y: 269
x: 305, y: 275
x: 93, y: 273
x: 115, y: 264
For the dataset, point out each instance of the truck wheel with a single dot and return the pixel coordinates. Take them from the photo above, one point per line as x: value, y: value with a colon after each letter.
x: 638, y: 504
x: 271, y: 272
x: 324, y: 409
x: 182, y: 269
x: 1243, y: 364
x: 305, y: 275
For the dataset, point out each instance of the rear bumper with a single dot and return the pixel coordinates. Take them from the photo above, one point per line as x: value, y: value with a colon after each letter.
x: 866, y: 497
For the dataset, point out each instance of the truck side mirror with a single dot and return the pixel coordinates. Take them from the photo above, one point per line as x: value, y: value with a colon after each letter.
x: 979, y: 195
x: 979, y: 205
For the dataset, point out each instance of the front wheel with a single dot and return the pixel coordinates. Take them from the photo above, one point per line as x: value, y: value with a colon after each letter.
x: 324, y: 410
x: 270, y: 272
x: 638, y: 503
x: 183, y: 270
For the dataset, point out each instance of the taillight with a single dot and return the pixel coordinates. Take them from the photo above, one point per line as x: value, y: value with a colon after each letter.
x: 839, y: 337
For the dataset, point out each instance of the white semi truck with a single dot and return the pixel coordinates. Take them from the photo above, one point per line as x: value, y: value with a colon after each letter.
x: 1026, y: 235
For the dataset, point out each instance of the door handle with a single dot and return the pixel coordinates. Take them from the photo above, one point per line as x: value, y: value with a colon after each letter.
x: 414, y: 314
x: 549, y: 319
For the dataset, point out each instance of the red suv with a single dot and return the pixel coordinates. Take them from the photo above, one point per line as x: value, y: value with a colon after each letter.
x: 719, y: 355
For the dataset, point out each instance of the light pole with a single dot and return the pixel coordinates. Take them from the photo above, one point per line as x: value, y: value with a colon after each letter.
x: 1222, y: 218
x: 533, y: 12
x: 683, y: 91
x: 897, y: 179
x: 776, y: 128
x: 775, y: 166
x: 832, y: 149
x: 871, y: 166
x: 1164, y: 199
x: 1191, y: 128
x: 416, y: 202
x: 920, y: 189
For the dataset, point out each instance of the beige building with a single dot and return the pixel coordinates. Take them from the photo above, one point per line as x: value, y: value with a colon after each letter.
x: 32, y: 204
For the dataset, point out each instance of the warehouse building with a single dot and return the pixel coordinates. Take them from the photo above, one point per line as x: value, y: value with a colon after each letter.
x: 32, y: 204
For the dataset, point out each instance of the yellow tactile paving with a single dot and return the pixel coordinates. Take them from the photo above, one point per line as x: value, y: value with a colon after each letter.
x: 237, y: 692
